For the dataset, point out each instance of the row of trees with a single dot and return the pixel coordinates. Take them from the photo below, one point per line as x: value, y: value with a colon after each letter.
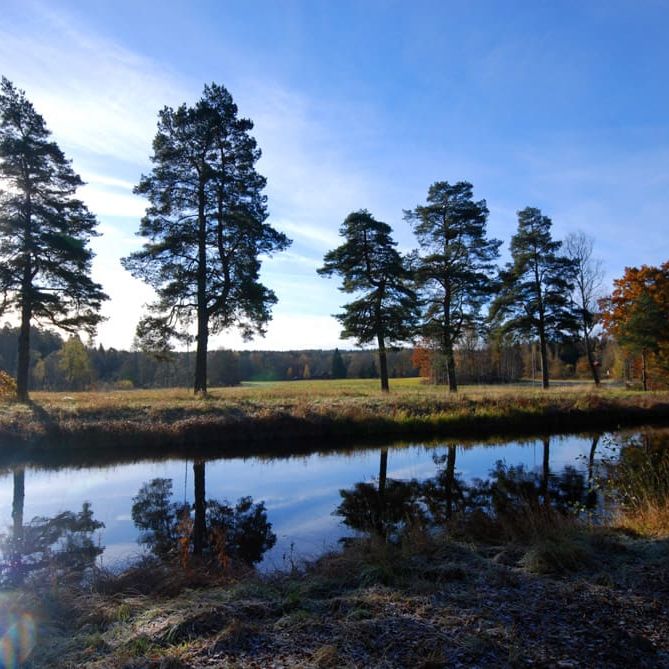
x: 205, y: 230
x: 58, y: 364
x: 450, y: 290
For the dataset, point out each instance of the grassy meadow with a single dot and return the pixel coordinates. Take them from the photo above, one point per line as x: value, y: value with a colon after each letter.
x: 270, y: 415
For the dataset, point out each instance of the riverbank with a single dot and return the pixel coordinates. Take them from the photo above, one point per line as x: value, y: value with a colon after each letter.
x: 262, y: 419
x: 564, y: 596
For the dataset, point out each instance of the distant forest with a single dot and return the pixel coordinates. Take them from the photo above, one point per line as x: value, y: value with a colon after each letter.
x: 59, y: 364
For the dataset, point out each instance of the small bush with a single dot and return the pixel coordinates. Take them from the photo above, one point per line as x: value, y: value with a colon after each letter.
x: 557, y: 554
x: 7, y: 385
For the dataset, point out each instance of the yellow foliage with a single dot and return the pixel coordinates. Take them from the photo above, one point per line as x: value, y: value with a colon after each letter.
x: 7, y: 385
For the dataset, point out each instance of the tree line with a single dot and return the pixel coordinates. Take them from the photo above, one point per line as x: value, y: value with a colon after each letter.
x: 205, y: 233
x: 69, y: 364
x: 58, y: 364
x: 450, y: 295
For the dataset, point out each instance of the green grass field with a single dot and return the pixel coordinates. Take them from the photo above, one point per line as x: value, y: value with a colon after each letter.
x: 318, y: 390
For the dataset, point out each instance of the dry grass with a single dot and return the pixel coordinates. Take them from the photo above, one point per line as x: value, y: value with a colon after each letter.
x: 648, y: 519
x: 427, y: 601
x: 280, y: 391
x: 639, y: 484
x: 160, y: 422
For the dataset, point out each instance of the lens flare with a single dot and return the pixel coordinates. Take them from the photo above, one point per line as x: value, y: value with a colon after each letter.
x: 18, y: 641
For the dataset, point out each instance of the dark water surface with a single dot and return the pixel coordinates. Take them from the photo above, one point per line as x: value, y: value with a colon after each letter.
x: 300, y: 494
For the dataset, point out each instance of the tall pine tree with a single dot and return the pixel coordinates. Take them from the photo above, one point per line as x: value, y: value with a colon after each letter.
x: 536, y: 286
x: 370, y: 266
x: 456, y: 267
x: 45, y: 261
x: 205, y: 227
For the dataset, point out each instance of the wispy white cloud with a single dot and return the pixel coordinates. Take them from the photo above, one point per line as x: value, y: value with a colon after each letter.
x: 312, y: 235
x: 293, y: 263
x: 95, y: 95
x: 104, y: 201
x: 103, y: 113
x: 313, y: 181
x: 106, y: 180
x: 287, y: 332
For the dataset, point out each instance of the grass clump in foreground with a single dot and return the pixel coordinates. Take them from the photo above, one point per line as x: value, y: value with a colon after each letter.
x: 638, y: 481
x: 536, y: 588
x: 159, y: 421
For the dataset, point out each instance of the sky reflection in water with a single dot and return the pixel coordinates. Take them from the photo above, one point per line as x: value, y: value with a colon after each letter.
x: 300, y: 493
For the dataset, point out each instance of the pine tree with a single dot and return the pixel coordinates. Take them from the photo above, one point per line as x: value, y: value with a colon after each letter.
x: 338, y: 366
x: 45, y: 261
x: 370, y: 266
x: 206, y: 228
x: 455, y: 271
x: 536, y: 286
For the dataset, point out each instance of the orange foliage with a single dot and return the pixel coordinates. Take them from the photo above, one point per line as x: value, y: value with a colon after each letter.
x: 625, y: 314
x: 422, y: 358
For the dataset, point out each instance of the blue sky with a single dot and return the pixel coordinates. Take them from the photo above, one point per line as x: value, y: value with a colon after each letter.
x: 559, y: 105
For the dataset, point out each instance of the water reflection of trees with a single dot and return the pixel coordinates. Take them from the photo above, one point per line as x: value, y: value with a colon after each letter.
x: 508, y: 491
x: 65, y: 542
x: 209, y: 528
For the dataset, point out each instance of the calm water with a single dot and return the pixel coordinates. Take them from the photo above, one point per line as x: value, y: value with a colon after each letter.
x: 300, y: 494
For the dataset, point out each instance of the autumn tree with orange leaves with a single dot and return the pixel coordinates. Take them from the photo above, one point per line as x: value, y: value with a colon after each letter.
x: 637, y: 315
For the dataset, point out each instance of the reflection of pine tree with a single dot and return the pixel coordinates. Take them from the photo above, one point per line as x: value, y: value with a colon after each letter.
x: 239, y: 532
x: 64, y: 541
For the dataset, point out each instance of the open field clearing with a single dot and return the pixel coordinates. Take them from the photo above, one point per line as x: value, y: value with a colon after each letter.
x: 266, y: 415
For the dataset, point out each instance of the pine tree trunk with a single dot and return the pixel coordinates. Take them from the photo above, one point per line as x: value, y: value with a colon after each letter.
x: 17, y: 522
x: 383, y: 471
x: 380, y: 520
x: 450, y: 371
x: 23, y: 363
x: 383, y: 364
x: 17, y: 504
x: 447, y: 343
x: 199, y: 525
x: 644, y: 373
x: 545, y: 479
x: 544, y: 356
x: 200, y: 386
x: 450, y: 480
x: 591, y: 497
x: 541, y: 327
x: 23, y: 366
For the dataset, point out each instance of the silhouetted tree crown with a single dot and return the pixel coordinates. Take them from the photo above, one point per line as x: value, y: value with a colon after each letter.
x: 45, y: 261
x: 206, y: 228
x: 456, y: 268
x: 370, y: 265
x: 534, y: 300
